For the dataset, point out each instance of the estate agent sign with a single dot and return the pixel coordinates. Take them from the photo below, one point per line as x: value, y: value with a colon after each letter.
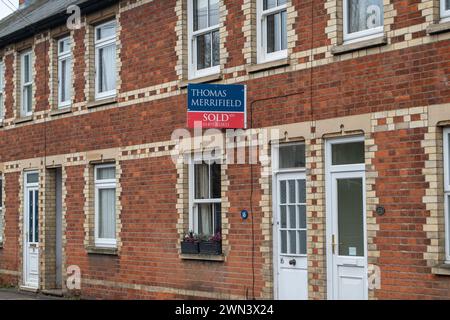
x: 217, y: 106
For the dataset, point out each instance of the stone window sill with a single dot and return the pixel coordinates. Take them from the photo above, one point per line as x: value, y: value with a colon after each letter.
x: 211, y: 78
x: 103, y: 251
x: 57, y: 112
x: 203, y: 257
x: 364, y: 44
x: 268, y: 65
x: 441, y: 270
x: 438, y: 27
x: 23, y: 119
x: 101, y: 103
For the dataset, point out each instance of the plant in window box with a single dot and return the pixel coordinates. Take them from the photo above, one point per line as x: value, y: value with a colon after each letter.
x: 212, y: 245
x: 190, y: 244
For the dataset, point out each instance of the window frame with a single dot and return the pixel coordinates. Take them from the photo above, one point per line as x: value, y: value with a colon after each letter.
x: 25, y: 112
x: 2, y: 90
x: 100, y: 44
x: 64, y: 56
x: 193, y: 202
x: 193, y: 72
x: 359, y: 35
x: 446, y: 164
x: 104, y: 184
x: 444, y: 12
x: 261, y: 33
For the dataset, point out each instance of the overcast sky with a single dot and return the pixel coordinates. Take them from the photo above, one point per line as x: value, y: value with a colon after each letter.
x: 5, y: 6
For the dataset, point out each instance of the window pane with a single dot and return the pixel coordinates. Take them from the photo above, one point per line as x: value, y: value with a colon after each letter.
x: 268, y: 4
x: 301, y: 191
x: 1, y: 77
x: 32, y: 178
x: 283, y: 31
x: 107, y: 68
x: 364, y: 14
x: 30, y: 216
x: 213, y: 12
x: 205, y: 219
x: 348, y: 153
x: 201, y: 180
x: 292, y: 218
x: 447, y: 4
x: 215, y: 181
x: 107, y: 173
x: 292, y: 156
x: 63, y: 80
x: 350, y: 217
x: 216, y: 48
x: 271, y: 34
x: 280, y: 2
x: 302, y: 216
x: 283, y: 236
x: 283, y: 216
x: 28, y: 97
x: 64, y: 45
x: 204, y: 51
x: 200, y: 14
x: 36, y: 216
x: 291, y: 187
x: 106, y: 31
x: 26, y: 69
x: 107, y: 214
x: 292, y: 242
x: 283, y: 191
x: 302, y: 241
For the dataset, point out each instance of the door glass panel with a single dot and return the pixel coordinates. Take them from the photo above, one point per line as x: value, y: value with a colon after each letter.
x: 347, y: 153
x: 283, y: 216
x: 291, y: 186
x: 302, y: 216
x: 301, y: 191
x: 350, y: 217
x: 283, y: 241
x: 32, y: 178
x: 292, y: 218
x: 292, y: 242
x: 283, y: 191
x: 36, y: 216
x: 302, y: 241
x: 30, y: 216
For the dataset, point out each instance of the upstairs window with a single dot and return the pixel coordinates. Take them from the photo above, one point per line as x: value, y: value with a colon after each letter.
x: 447, y: 191
x: 362, y: 18
x: 64, y: 73
x: 105, y: 60
x: 105, y: 206
x: 26, y: 84
x: 272, y: 30
x: 445, y: 10
x: 205, y: 189
x: 204, y: 38
x: 2, y: 90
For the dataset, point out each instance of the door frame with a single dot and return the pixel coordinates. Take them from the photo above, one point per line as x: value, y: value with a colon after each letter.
x: 330, y: 170
x: 275, y: 173
x: 26, y: 187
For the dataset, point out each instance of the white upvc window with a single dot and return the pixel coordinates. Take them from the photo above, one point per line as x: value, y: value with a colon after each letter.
x: 205, y: 197
x: 271, y: 30
x: 2, y: 90
x: 105, y: 205
x: 447, y: 191
x: 26, y: 83
x: 445, y: 10
x: 105, y: 60
x: 64, y: 72
x: 204, y: 38
x: 363, y: 19
x: 1, y: 210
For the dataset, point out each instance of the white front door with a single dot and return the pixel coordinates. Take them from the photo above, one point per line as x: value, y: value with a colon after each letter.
x: 31, y: 230
x: 290, y: 230
x: 346, y: 220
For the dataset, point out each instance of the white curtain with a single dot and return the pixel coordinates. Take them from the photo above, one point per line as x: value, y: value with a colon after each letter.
x: 107, y: 214
x: 364, y: 14
x: 108, y: 68
x: 205, y: 219
x: 202, y: 181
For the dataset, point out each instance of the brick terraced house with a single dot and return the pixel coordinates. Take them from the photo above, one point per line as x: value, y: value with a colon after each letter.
x: 351, y: 202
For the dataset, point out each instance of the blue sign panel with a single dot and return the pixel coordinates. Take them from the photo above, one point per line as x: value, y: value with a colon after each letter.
x: 217, y: 105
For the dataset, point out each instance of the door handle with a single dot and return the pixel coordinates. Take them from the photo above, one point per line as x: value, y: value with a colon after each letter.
x: 292, y: 262
x: 333, y: 243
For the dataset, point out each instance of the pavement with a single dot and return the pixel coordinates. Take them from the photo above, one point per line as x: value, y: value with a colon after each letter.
x: 15, y: 294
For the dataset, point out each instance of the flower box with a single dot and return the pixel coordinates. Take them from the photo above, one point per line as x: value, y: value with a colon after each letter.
x: 189, y: 247
x: 210, y: 247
